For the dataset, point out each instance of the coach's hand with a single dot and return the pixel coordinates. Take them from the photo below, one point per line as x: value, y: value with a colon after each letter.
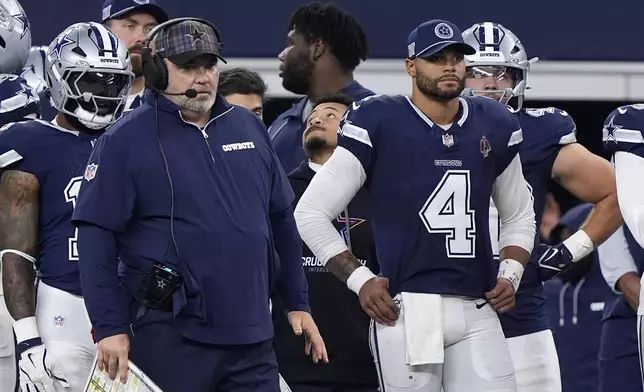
x: 314, y: 344
x: 113, y: 356
x: 376, y: 301
x: 501, y: 298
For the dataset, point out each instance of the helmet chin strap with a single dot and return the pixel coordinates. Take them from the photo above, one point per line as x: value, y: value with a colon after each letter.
x: 91, y: 120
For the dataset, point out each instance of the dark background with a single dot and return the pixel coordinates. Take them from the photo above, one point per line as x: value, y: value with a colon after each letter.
x: 550, y: 29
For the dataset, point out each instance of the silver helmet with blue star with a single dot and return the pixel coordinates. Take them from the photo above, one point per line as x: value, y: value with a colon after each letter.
x: 17, y: 100
x: 89, y: 73
x: 15, y: 36
x: 34, y: 71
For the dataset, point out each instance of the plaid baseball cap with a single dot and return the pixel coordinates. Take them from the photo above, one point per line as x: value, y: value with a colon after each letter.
x: 116, y: 9
x: 183, y: 41
x: 433, y: 36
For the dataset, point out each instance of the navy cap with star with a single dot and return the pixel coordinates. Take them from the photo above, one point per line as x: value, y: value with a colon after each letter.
x: 183, y: 41
x: 117, y: 9
x: 433, y: 36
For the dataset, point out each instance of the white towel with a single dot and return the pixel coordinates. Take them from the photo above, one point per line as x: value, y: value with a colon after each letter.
x: 423, y: 318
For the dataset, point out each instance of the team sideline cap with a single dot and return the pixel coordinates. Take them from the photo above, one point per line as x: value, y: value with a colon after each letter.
x: 433, y: 36
x: 115, y: 9
x: 183, y: 41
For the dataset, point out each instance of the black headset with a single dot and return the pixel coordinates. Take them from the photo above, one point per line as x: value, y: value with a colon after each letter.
x: 155, y: 71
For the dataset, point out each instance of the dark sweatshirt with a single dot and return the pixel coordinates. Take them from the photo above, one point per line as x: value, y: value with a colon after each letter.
x: 336, y: 309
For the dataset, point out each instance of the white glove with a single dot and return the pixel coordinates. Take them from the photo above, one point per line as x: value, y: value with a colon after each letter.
x: 38, y: 367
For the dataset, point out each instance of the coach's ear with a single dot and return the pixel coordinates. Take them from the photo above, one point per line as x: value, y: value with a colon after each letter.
x: 411, y: 67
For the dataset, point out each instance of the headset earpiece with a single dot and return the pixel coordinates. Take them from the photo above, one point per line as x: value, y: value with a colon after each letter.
x: 155, y: 70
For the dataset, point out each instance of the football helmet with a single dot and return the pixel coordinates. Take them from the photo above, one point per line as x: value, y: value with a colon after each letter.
x: 500, y: 54
x: 89, y: 73
x: 17, y: 100
x: 34, y: 71
x: 15, y: 36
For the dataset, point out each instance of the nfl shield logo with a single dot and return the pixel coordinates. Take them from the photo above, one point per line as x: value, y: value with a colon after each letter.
x: 90, y: 171
x: 448, y: 140
x: 59, y: 321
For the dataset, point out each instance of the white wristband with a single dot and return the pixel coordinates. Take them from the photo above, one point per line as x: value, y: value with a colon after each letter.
x: 511, y: 270
x: 579, y: 245
x: 358, y: 278
x: 26, y: 329
x: 19, y: 253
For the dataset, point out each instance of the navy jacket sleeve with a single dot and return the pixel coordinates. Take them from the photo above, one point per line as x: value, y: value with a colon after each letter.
x: 103, y: 208
x: 99, y: 281
x: 292, y: 286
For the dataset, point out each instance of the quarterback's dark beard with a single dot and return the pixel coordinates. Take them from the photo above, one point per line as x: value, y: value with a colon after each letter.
x: 297, y: 75
x: 316, y: 145
x: 430, y: 88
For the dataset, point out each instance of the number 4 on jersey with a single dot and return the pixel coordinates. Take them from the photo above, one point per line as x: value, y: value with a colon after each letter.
x: 71, y: 194
x: 448, y: 211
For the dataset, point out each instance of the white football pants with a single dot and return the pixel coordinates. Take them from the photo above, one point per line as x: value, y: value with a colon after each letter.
x: 476, y: 353
x: 8, y: 369
x: 536, y: 364
x: 65, y: 330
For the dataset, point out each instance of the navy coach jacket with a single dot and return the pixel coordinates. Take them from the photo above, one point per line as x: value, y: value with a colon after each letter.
x: 232, y: 211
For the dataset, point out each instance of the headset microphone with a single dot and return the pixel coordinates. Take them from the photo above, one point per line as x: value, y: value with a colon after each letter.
x: 190, y: 93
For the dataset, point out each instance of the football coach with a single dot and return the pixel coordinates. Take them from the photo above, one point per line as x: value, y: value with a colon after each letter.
x: 185, y: 226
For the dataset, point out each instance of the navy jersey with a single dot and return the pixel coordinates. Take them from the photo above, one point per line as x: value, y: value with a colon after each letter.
x: 624, y: 130
x: 545, y: 131
x: 57, y: 158
x: 430, y: 189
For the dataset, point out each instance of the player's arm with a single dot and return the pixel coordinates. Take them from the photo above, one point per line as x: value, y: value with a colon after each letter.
x: 592, y: 179
x: 330, y: 191
x: 628, y: 174
x: 19, y: 211
x: 515, y: 204
x: 618, y: 267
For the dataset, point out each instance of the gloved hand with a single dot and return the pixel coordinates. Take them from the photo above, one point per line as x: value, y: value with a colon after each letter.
x: 39, y: 369
x: 552, y: 260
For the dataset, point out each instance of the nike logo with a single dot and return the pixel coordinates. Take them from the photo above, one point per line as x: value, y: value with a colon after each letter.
x: 549, y: 255
x: 621, y: 110
x: 481, y: 305
x: 552, y: 252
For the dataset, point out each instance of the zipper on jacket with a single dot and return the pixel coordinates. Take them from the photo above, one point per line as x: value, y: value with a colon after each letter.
x: 203, y: 131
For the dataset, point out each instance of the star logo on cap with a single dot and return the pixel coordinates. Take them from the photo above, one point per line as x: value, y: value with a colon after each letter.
x: 443, y: 31
x: 196, y: 34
